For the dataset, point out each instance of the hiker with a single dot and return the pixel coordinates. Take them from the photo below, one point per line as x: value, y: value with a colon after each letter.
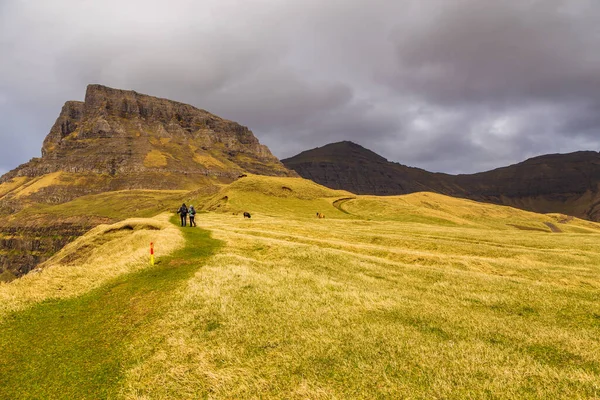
x: 183, y: 211
x: 192, y: 216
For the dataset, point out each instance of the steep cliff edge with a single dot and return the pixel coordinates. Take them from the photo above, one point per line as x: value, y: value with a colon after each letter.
x: 25, y: 244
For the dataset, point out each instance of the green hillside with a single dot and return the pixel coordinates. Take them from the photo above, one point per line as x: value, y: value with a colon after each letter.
x: 418, y: 296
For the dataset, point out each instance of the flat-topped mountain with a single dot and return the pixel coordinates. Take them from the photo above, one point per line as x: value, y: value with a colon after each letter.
x: 120, y: 139
x: 562, y: 183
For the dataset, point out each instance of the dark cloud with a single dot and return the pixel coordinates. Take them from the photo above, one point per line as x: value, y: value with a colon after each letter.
x: 502, y: 52
x: 453, y: 86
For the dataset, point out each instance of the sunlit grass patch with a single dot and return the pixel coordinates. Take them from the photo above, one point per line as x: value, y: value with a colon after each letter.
x: 291, y: 197
x: 12, y: 184
x: 207, y: 160
x: 116, y: 205
x: 155, y: 158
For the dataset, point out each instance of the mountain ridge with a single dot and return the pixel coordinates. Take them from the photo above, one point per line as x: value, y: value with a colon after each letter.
x: 563, y: 183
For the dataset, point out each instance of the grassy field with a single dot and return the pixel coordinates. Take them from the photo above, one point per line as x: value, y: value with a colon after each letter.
x: 116, y: 205
x: 419, y: 296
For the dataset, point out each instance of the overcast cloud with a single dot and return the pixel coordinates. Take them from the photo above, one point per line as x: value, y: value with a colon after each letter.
x: 446, y: 85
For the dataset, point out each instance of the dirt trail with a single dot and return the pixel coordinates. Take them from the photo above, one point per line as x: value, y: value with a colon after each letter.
x: 338, y: 204
x: 553, y: 227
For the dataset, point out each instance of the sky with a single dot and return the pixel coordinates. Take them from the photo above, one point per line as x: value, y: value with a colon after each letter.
x: 456, y: 86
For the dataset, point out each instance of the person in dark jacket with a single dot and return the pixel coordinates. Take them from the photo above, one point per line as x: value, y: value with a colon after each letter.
x: 183, y: 212
x: 192, y: 212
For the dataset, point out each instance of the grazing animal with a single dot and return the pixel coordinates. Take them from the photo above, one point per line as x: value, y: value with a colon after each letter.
x: 320, y: 215
x: 247, y: 214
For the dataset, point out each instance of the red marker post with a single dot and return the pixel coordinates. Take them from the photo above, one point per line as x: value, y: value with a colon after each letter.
x: 152, y: 253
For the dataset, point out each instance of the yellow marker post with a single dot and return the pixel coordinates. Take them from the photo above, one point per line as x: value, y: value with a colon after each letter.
x: 152, y: 253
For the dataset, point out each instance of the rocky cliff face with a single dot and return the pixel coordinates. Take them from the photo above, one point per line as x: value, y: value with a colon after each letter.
x: 135, y: 139
x: 24, y: 247
x: 118, y: 140
x: 562, y: 183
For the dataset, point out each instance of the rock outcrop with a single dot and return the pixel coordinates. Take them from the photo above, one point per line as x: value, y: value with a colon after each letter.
x: 561, y: 183
x: 130, y: 140
x: 25, y: 246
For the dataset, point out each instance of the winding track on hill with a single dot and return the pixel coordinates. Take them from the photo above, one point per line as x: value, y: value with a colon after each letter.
x: 339, y: 202
x: 553, y: 228
x: 78, y: 348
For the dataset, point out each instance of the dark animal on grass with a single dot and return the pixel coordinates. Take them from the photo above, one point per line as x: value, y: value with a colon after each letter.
x: 247, y: 214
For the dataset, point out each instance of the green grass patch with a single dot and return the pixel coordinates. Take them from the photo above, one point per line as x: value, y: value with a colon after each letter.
x: 116, y: 205
x: 77, y: 348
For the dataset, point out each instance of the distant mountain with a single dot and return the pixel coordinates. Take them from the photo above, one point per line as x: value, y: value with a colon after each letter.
x: 560, y: 183
x: 349, y: 166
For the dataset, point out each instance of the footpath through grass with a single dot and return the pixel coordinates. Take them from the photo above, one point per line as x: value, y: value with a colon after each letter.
x: 77, y: 348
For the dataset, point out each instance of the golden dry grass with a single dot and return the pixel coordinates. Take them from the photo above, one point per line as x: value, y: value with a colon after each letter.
x: 36, y: 184
x: 282, y: 187
x: 11, y: 185
x: 437, y: 209
x: 306, y: 308
x: 208, y: 161
x: 158, y: 141
x: 275, y: 196
x: 420, y: 296
x: 155, y: 159
x: 90, y: 261
x: 116, y: 205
